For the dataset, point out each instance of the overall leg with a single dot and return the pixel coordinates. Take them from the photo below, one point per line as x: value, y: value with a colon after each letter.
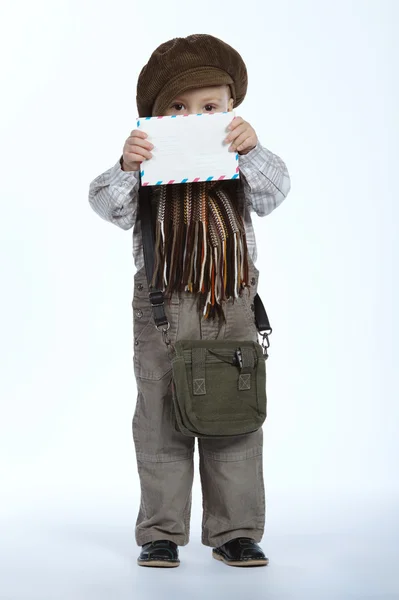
x: 231, y: 469
x: 164, y: 455
x: 233, y: 489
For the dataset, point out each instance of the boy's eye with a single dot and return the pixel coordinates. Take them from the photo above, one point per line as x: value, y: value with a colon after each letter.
x: 178, y: 107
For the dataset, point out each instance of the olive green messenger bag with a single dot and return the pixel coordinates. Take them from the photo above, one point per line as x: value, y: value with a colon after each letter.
x: 219, y: 386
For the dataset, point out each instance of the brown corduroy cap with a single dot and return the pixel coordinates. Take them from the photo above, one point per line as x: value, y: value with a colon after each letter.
x: 181, y: 64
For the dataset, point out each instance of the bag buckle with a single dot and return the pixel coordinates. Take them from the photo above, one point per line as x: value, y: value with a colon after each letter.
x: 164, y: 330
x: 266, y: 342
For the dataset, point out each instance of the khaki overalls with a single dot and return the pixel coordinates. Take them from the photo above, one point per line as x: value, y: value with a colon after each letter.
x: 231, y: 470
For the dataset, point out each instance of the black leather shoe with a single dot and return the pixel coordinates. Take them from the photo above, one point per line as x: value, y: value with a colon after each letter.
x: 241, y: 552
x: 161, y: 553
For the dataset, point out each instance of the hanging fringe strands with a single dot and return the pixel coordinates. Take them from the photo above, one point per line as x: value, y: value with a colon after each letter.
x: 200, y: 244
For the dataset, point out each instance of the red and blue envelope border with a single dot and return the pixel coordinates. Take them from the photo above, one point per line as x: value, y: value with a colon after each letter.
x: 173, y: 181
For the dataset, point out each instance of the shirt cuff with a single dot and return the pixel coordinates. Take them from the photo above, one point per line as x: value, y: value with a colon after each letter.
x: 124, y: 178
x: 262, y: 160
x: 120, y: 162
x: 255, y: 157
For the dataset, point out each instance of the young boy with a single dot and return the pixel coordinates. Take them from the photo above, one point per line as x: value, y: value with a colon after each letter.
x: 196, y: 74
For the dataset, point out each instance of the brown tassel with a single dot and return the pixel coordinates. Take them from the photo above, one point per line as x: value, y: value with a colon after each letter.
x: 200, y: 244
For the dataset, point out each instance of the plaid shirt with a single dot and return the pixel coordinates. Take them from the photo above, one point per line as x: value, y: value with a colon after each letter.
x: 265, y: 183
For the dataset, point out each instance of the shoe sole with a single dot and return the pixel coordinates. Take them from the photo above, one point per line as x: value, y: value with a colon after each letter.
x: 157, y: 563
x: 241, y: 563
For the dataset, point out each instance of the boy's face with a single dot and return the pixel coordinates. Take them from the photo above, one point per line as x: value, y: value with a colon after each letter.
x: 200, y: 100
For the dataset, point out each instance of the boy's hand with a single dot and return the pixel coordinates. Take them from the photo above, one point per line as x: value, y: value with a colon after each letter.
x: 242, y: 136
x: 135, y: 150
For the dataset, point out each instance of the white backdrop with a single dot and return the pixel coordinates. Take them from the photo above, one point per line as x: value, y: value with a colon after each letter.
x: 323, y: 94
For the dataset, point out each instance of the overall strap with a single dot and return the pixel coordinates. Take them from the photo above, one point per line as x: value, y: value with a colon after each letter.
x: 156, y: 296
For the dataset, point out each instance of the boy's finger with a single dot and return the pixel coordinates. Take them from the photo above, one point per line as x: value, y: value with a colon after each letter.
x: 240, y: 141
x: 138, y: 151
x: 234, y: 134
x: 135, y: 141
x: 138, y: 133
x: 136, y: 158
x: 235, y: 123
x: 249, y: 143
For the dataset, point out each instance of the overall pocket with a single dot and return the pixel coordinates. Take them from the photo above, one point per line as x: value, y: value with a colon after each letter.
x: 150, y: 355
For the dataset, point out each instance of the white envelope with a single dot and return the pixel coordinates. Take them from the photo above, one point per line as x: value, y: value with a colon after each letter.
x: 188, y: 148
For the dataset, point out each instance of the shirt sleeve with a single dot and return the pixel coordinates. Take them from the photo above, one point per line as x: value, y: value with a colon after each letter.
x: 265, y: 179
x: 113, y: 195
